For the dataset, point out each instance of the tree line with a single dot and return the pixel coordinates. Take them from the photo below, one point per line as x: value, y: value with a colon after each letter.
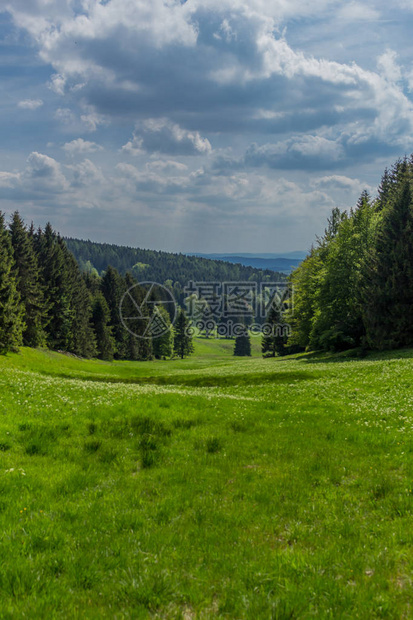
x: 355, y: 288
x: 47, y: 301
x: 173, y: 270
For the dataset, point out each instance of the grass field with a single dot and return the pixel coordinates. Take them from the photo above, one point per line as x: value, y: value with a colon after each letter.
x: 212, y: 487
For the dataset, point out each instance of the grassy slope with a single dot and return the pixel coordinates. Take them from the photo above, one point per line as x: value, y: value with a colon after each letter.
x: 209, y: 487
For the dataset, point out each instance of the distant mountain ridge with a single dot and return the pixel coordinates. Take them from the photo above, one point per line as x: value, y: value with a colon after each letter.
x: 283, y: 263
x: 297, y: 254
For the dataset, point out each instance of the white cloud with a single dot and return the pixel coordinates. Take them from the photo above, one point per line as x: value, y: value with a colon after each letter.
x: 271, y: 84
x: 88, y: 122
x: 57, y: 84
x: 86, y: 173
x: 133, y: 147
x: 298, y: 151
x: 163, y: 136
x: 65, y: 116
x: 129, y: 57
x: 92, y: 120
x: 9, y: 179
x: 80, y: 146
x: 338, y: 180
x: 148, y: 181
x: 44, y: 173
x: 388, y: 66
x: 340, y: 185
x: 30, y: 104
x: 167, y: 166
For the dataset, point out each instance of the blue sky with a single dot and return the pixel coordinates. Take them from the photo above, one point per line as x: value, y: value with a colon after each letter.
x: 205, y: 125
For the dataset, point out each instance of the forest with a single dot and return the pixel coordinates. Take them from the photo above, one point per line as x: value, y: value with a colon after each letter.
x: 355, y: 288
x: 48, y: 299
x: 173, y: 270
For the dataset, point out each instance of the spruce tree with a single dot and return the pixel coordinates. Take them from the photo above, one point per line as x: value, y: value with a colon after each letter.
x: 105, y: 342
x: 163, y: 344
x: 273, y: 343
x: 11, y: 308
x: 113, y: 287
x: 28, y: 281
x: 146, y: 344
x: 183, y: 344
x: 242, y: 346
x: 388, y: 275
x: 57, y: 293
x: 137, y: 332
x: 82, y: 339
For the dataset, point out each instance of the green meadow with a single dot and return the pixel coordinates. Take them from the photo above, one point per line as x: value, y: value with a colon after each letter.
x: 212, y: 487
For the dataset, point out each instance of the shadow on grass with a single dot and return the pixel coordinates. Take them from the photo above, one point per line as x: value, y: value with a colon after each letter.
x: 355, y: 355
x: 248, y: 379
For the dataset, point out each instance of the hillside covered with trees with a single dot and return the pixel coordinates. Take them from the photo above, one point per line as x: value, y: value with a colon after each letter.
x: 355, y: 288
x: 173, y: 270
x: 46, y: 301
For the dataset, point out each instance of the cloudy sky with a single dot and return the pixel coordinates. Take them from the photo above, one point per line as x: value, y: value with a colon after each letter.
x: 200, y: 125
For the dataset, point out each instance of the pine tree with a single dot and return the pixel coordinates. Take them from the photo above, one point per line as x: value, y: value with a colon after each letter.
x: 274, y: 342
x: 11, y: 308
x: 105, y: 342
x: 242, y: 346
x: 28, y: 281
x: 183, y: 344
x: 162, y: 345
x: 57, y: 293
x: 82, y: 339
x: 137, y: 332
x: 388, y: 275
x: 113, y: 288
x: 93, y: 283
x: 384, y: 190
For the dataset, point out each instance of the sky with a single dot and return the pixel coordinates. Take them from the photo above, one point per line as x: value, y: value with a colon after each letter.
x: 200, y: 125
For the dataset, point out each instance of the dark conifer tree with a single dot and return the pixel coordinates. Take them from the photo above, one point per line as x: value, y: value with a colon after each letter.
x: 273, y: 343
x: 105, y: 342
x: 183, y: 345
x: 27, y: 274
x: 138, y: 334
x: 113, y: 287
x: 242, y: 346
x: 384, y: 190
x: 162, y: 345
x: 82, y: 339
x: 146, y: 344
x: 93, y: 283
x: 59, y: 313
x: 388, y: 278
x: 11, y: 308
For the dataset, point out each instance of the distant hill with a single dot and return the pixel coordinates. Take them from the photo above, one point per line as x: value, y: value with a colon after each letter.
x: 284, y: 263
x: 176, y: 269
